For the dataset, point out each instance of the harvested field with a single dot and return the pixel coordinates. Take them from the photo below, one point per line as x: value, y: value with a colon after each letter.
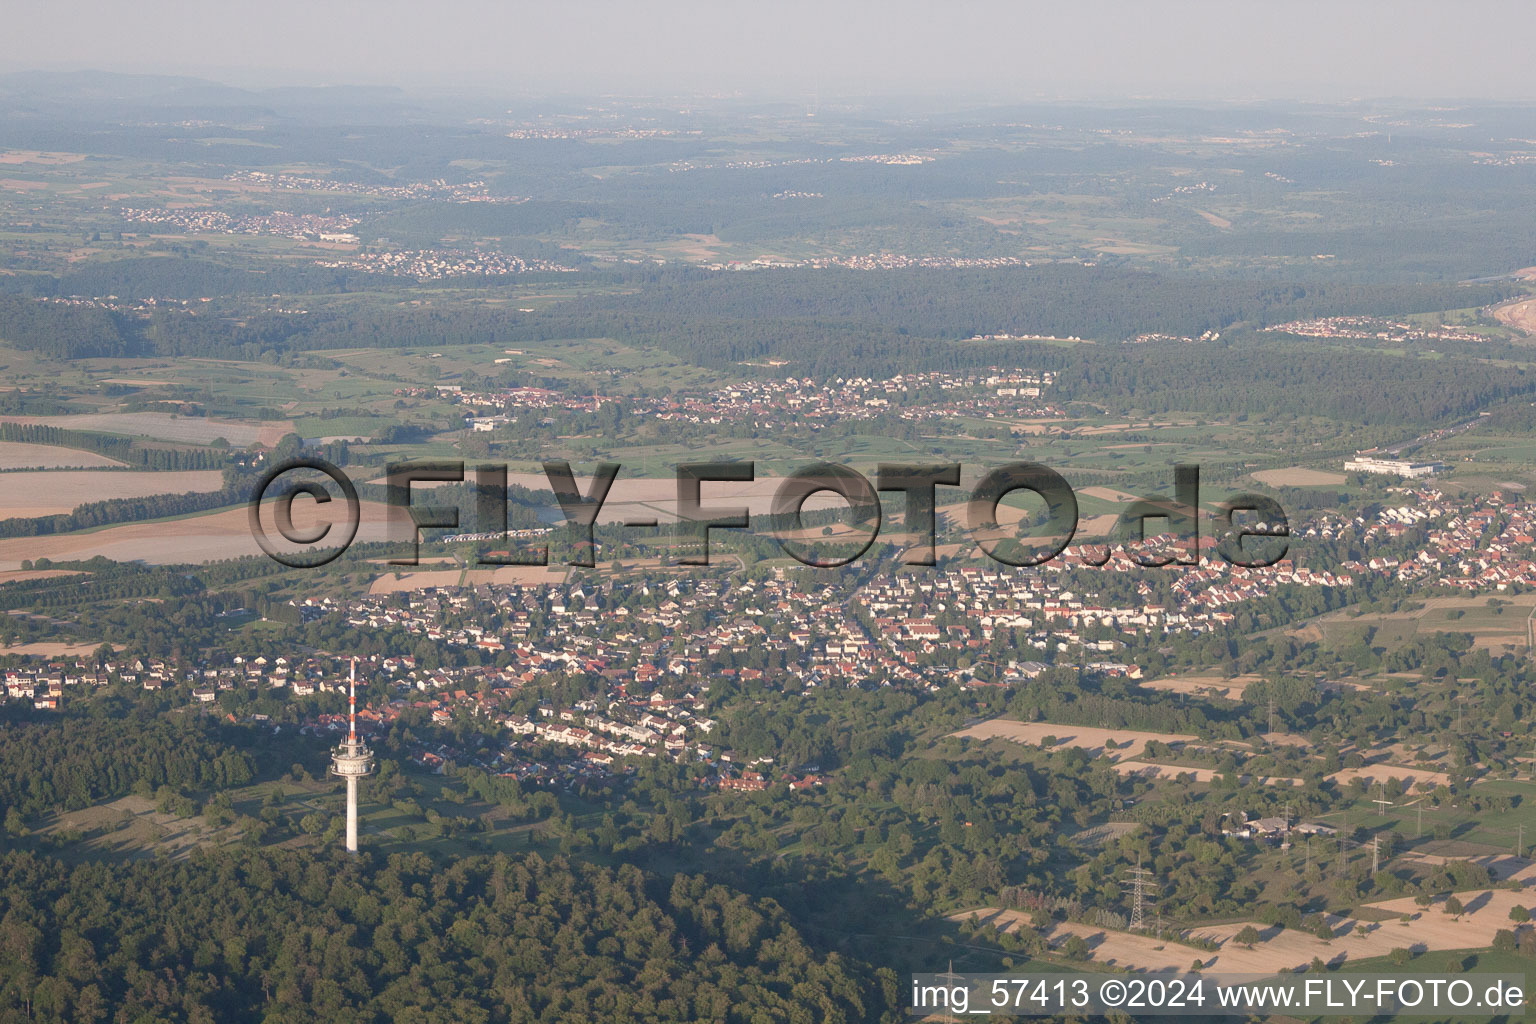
x: 1096, y: 526
x: 656, y: 497
x: 521, y: 575
x: 25, y: 494
x: 52, y: 649
x: 524, y: 575
x: 20, y: 455
x: 397, y: 582
x: 1374, y: 773
x: 1204, y: 684
x: 1108, y: 493
x: 18, y: 575
x: 1296, y: 476
x: 1502, y: 866
x: 1491, y: 625
x: 191, y: 539
x: 1520, y: 314
x: 1147, y: 770
x: 1278, y: 949
x: 1131, y: 744
x: 166, y: 427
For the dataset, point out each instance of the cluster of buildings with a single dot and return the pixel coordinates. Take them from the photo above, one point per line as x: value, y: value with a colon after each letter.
x: 1187, y: 190
x: 117, y: 305
x: 1372, y: 328
x: 929, y: 395
x: 437, y: 264
x: 653, y: 644
x: 438, y: 188
x: 885, y: 159
x: 621, y: 725
x: 1215, y: 587
x: 298, y: 226
x: 1483, y: 544
x: 1271, y: 829
x: 1143, y: 339
x: 870, y: 261
x: 626, y: 133
x: 45, y: 687
x: 986, y: 393
x: 1405, y: 468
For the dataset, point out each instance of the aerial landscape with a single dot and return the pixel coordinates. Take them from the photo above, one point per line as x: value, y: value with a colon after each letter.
x: 712, y: 553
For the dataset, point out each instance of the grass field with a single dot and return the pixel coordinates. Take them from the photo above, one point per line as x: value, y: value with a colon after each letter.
x: 132, y: 828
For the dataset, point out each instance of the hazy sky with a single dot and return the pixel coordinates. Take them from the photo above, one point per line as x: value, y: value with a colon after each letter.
x: 1196, y: 49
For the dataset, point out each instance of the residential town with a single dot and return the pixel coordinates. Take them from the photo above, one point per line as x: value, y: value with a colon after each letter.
x: 911, y: 397
x: 656, y: 644
x: 1373, y: 328
x: 440, y: 264
x: 299, y: 227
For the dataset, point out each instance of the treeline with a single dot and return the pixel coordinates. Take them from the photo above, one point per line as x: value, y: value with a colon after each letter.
x: 185, y: 277
x: 29, y: 402
x: 107, y: 581
x: 119, y: 448
x: 283, y: 936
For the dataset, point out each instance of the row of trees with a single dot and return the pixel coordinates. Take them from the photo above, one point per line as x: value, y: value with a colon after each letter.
x: 113, y: 447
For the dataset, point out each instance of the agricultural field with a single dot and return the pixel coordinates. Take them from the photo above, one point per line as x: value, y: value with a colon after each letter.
x: 1494, y: 622
x: 25, y: 494
x: 165, y: 427
x: 1128, y: 743
x: 199, y: 538
x: 1298, y: 477
x: 19, y: 455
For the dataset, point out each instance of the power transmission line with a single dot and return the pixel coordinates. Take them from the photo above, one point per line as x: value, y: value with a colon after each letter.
x: 1137, y: 888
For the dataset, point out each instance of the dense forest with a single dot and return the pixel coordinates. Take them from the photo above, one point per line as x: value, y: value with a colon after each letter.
x: 282, y: 936
x: 117, y: 748
x: 1060, y: 299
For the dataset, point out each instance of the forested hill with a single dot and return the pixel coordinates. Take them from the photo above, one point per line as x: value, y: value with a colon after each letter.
x: 1287, y: 380
x: 1056, y: 299
x: 840, y: 321
x: 279, y: 936
x: 828, y: 323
